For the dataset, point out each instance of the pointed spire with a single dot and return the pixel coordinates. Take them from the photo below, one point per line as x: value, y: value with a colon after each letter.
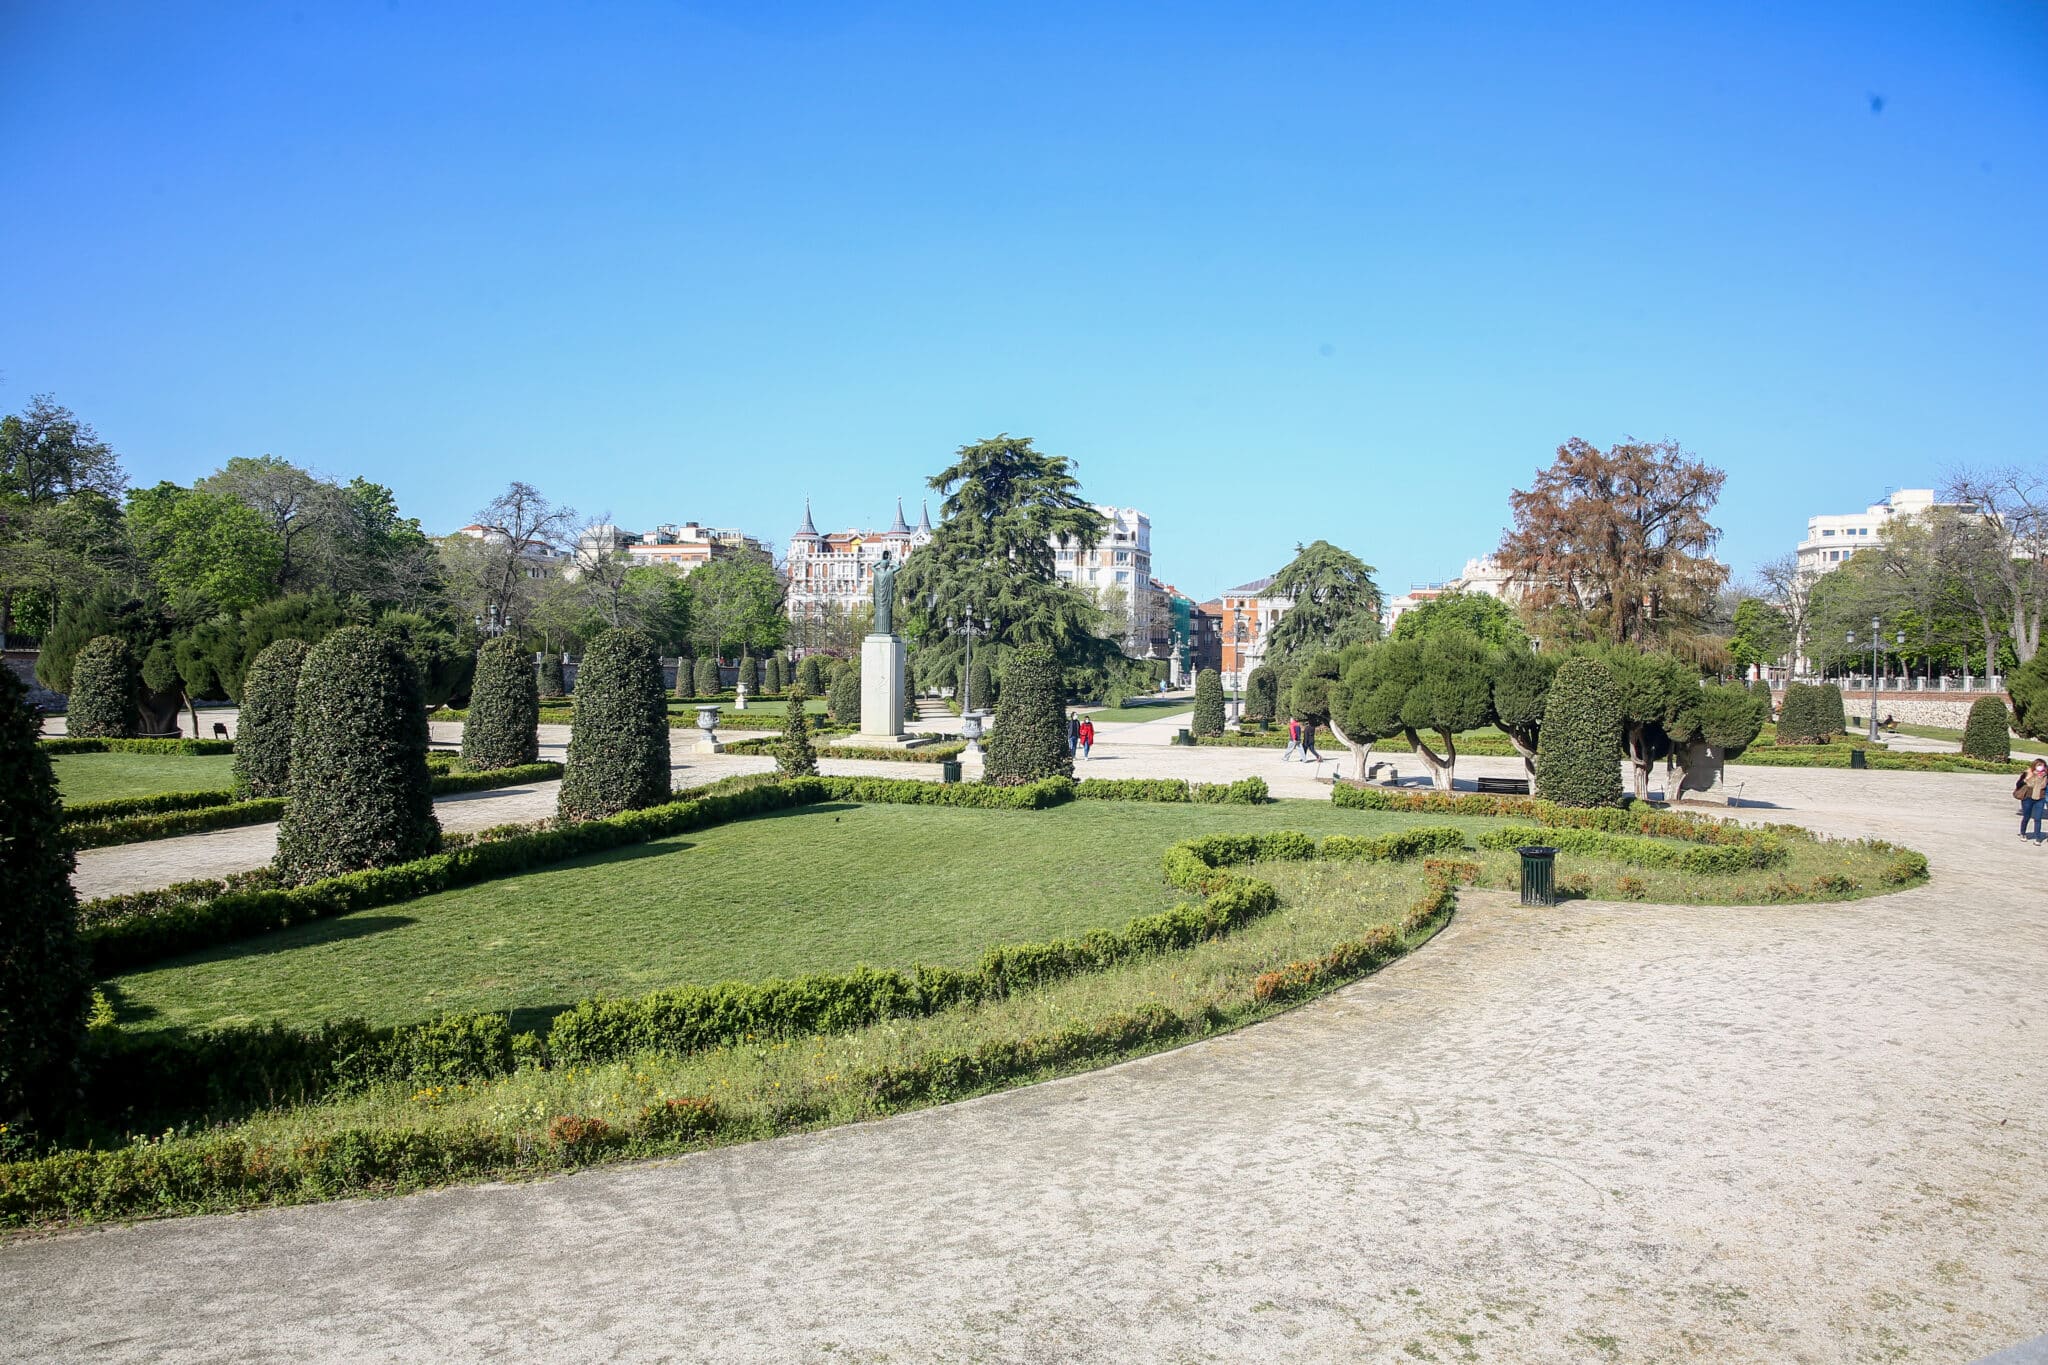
x: 924, y: 518
x: 902, y: 527
x: 807, y: 529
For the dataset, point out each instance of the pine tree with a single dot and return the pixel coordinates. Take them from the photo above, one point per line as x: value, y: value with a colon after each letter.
x: 794, y: 756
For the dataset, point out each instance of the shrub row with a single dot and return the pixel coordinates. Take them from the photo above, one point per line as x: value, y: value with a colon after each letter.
x: 1635, y: 818
x: 1195, y: 864
x: 58, y: 745
x: 1767, y: 850
x: 85, y: 812
x: 1247, y: 791
x: 1837, y: 756
x: 930, y: 753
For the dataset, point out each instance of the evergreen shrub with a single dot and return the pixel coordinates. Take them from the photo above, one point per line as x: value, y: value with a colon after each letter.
x: 842, y: 698
x: 2027, y: 685
x: 361, y: 795
x: 1580, y: 761
x: 1802, y: 717
x: 794, y: 756
x: 815, y: 674
x: 1208, y: 718
x: 1262, y: 694
x: 983, y: 682
x: 263, y: 731
x: 1834, y: 717
x: 1029, y: 741
x: 1988, y: 732
x: 618, y: 742
x: 552, y: 681
x: 504, y: 710
x: 106, y: 687
x: 706, y: 678
x: 749, y: 675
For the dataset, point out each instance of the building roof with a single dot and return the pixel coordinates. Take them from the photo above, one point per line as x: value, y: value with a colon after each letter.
x: 924, y: 518
x: 899, y: 527
x: 808, y: 528
x: 1251, y: 589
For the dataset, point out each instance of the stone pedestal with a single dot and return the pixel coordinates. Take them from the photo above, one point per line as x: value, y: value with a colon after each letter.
x: 881, y: 688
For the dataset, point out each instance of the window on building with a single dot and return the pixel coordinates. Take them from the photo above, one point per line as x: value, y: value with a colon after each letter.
x: 1827, y: 533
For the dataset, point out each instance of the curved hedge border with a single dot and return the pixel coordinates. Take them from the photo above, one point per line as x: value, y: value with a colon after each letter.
x: 58, y: 745
x: 1766, y: 851
x: 930, y: 753
x: 1246, y: 791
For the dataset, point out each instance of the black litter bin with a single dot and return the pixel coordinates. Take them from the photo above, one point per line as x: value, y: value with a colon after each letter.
x: 949, y: 770
x: 1857, y: 760
x: 1539, y: 874
x: 1184, y: 737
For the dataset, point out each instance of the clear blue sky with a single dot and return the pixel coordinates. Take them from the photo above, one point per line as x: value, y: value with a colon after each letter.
x: 1269, y: 273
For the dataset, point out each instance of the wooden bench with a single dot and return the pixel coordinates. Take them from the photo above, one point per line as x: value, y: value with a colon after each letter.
x: 1504, y: 786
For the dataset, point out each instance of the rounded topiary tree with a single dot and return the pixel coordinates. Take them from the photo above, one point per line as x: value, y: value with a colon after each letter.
x: 706, y: 676
x: 1834, y: 716
x: 1261, y: 694
x: 361, y: 795
x: 618, y: 745
x: 263, y: 732
x: 106, y: 684
x: 504, y: 709
x: 44, y: 980
x: 794, y: 756
x: 842, y: 699
x: 1988, y: 732
x: 749, y: 675
x: 1208, y: 719
x: 1029, y: 741
x: 982, y: 680
x: 686, y: 676
x: 1580, y: 761
x: 774, y: 677
x: 1799, y: 715
x: 552, y: 683
x: 814, y: 674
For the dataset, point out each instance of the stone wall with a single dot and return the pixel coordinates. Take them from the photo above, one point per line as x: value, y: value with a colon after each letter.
x: 22, y: 662
x: 1946, y: 709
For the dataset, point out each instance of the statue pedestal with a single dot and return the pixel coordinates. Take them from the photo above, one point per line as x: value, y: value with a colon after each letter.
x: 881, y: 697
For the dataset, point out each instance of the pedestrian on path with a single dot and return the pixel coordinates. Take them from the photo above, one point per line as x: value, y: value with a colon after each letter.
x: 1293, y: 739
x: 1073, y: 733
x: 1087, y: 737
x: 2032, y: 792
x: 1308, y: 742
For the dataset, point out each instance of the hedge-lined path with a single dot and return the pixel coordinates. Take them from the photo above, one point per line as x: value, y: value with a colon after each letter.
x: 1809, y: 1133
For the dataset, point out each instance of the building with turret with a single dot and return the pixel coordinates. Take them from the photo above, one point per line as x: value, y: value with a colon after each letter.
x: 832, y: 576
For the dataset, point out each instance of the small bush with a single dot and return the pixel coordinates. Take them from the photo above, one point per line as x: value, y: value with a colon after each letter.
x: 672, y: 1120
x: 1262, y: 695
x: 982, y: 680
x: 749, y: 675
x: 707, y: 679
x: 551, y: 682
x: 1029, y: 742
x: 500, y: 730
x: 1834, y: 717
x: 106, y: 687
x: 794, y: 756
x: 1579, y: 763
x: 618, y: 744
x: 1987, y: 735
x: 815, y: 674
x: 1208, y: 718
x: 1801, y: 716
x: 263, y: 732
x: 842, y: 700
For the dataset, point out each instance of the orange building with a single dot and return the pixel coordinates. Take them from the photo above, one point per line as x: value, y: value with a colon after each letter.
x: 1249, y: 613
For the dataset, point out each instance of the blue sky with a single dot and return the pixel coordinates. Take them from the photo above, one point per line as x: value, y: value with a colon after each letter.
x: 1270, y: 273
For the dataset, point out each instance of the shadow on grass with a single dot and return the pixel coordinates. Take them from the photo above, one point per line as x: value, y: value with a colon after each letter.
x: 337, y: 930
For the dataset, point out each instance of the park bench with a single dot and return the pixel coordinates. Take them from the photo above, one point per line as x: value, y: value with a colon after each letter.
x: 1504, y: 786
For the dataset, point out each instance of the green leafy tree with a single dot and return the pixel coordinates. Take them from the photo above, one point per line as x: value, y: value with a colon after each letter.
x: 44, y: 979
x: 444, y: 661
x: 909, y: 688
x: 1718, y: 723
x: 180, y: 671
x: 736, y: 605
x: 1029, y: 741
x: 794, y: 756
x: 106, y: 687
x: 58, y: 511
x: 1335, y: 603
x: 86, y: 617
x: 501, y: 729
x: 2027, y: 685
x: 1262, y: 694
x: 1483, y: 617
x: 1440, y: 684
x: 1762, y: 634
x: 842, y: 698
x: 263, y: 730
x: 1521, y: 692
x: 207, y: 551
x: 1580, y: 761
x: 1306, y: 685
x: 310, y: 617
x: 1987, y: 733
x: 1208, y: 718
x: 361, y: 795
x: 1656, y: 691
x: 618, y: 742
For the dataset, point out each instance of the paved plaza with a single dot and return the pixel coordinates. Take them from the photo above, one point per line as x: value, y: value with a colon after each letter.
x: 1600, y: 1132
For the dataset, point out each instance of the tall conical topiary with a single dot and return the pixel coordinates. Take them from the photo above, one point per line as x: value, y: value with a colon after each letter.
x: 1029, y: 741
x: 618, y: 746
x: 44, y: 980
x: 750, y: 674
x: 982, y: 682
x: 552, y: 683
x: 794, y: 756
x: 1987, y: 734
x: 361, y: 795
x: 773, y: 679
x: 501, y: 730
x: 1801, y: 715
x: 1580, y: 761
x: 1208, y: 718
x: 1262, y: 694
x: 814, y: 674
x: 909, y: 689
x: 842, y: 698
x: 707, y: 680
x: 106, y: 686
x: 1834, y: 716
x: 686, y: 675
x: 263, y: 731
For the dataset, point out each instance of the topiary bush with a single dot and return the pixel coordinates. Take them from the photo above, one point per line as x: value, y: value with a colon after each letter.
x: 2027, y: 685
x: 1988, y: 732
x: 814, y: 674
x: 263, y: 733
x: 1262, y: 695
x: 504, y: 710
x: 909, y: 689
x: 981, y: 680
x: 1580, y: 761
x: 552, y: 682
x: 44, y: 982
x: 1208, y: 703
x: 1800, y: 715
x: 618, y: 742
x: 1834, y: 717
x: 706, y: 677
x: 774, y: 676
x: 106, y: 685
x: 749, y: 675
x: 686, y: 675
x: 1029, y: 742
x: 360, y: 795
x: 794, y: 756
x: 842, y: 698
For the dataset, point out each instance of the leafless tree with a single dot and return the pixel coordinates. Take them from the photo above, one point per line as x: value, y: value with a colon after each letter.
x: 1789, y: 588
x: 2013, y: 547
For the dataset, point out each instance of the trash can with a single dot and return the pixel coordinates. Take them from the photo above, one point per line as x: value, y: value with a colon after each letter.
x: 1539, y: 879
x: 949, y: 770
x: 1857, y: 760
x: 1184, y: 737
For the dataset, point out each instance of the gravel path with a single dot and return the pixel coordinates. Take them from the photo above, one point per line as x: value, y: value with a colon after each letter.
x: 1630, y: 1133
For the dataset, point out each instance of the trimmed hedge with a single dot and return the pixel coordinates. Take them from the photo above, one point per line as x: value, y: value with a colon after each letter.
x: 1803, y: 716
x: 814, y: 674
x: 360, y: 790
x: 551, y: 679
x: 1262, y: 694
x: 1765, y: 851
x: 106, y: 688
x: 1987, y: 735
x: 1248, y: 791
x: 500, y: 728
x: 57, y: 746
x: 1029, y: 741
x: 704, y: 676
x: 1580, y: 761
x: 1837, y: 756
x: 1834, y: 716
x: 1208, y: 718
x: 270, y: 700
x: 618, y: 744
x: 842, y: 697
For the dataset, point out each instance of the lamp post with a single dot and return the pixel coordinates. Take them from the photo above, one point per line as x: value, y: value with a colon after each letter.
x: 1237, y: 674
x: 970, y: 724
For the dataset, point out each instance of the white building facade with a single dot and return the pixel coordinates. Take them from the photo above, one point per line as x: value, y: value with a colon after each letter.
x: 835, y: 574
x: 1116, y: 571
x: 1830, y: 540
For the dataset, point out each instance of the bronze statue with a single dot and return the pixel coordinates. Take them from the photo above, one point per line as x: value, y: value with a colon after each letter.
x: 885, y: 596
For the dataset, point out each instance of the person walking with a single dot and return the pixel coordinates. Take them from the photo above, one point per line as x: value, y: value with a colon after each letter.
x: 1073, y: 733
x: 1293, y: 739
x: 1087, y: 737
x: 2032, y: 791
x: 1308, y: 742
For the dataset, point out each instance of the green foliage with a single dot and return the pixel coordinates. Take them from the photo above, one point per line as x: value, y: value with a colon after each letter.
x: 708, y: 682
x: 1987, y: 734
x: 814, y: 674
x: 500, y: 730
x: 1834, y: 716
x: 776, y: 677
x: 80, y: 620
x: 794, y: 756
x: 1208, y: 717
x: 43, y: 978
x: 207, y: 551
x: 1521, y: 690
x: 1306, y: 686
x: 1440, y: 683
x: 736, y: 604
x: 982, y: 680
x: 2027, y: 685
x: 1483, y: 617
x: 263, y: 733
x: 1802, y: 716
x: 1262, y: 694
x: 551, y: 681
x: 1029, y: 742
x: 1762, y: 634
x: 909, y: 689
x: 749, y: 675
x: 618, y: 745
x: 1728, y: 715
x: 444, y: 662
x: 232, y: 644
x: 842, y: 697
x: 360, y: 790
x: 1247, y: 791
x: 106, y: 686
x: 1579, y: 764
x: 1336, y: 603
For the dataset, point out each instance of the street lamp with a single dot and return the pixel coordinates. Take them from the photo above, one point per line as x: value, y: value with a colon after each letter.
x: 970, y: 724
x: 1237, y: 674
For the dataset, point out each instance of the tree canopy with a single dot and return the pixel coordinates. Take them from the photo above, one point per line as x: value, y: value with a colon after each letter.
x: 1335, y: 603
x: 1485, y: 618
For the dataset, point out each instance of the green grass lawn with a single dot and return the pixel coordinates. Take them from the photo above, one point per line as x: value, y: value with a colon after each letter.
x: 1135, y: 710
x: 2019, y: 746
x: 102, y: 777
x: 813, y: 890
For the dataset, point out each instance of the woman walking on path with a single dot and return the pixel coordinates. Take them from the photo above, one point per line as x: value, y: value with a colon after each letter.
x: 1073, y: 732
x: 1293, y: 739
x: 1087, y: 736
x: 2032, y: 791
x: 1308, y: 742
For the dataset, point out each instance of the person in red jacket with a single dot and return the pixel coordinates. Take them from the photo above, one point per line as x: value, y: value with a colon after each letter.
x: 1087, y: 736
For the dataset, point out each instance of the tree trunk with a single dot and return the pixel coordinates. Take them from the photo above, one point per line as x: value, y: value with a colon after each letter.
x: 1361, y: 754
x: 1441, y: 770
x: 1527, y: 752
x: 1639, y: 762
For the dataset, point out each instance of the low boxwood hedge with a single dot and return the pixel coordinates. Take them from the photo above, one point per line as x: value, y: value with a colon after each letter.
x: 1246, y: 791
x: 58, y: 745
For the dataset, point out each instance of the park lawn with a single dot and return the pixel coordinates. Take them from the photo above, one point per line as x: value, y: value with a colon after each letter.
x: 1135, y: 710
x: 2019, y: 746
x: 820, y: 889
x: 103, y: 777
